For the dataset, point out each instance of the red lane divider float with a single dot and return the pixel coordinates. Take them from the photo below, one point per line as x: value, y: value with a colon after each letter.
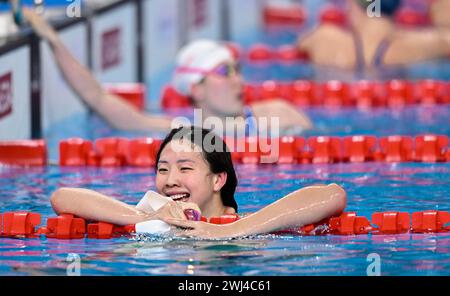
x: 19, y: 224
x: 224, y: 219
x: 367, y: 94
x: 331, y: 14
x: 261, y: 53
x: 409, y: 17
x: 431, y: 148
x: 432, y: 92
x: 294, y: 15
x: 291, y: 15
x: 350, y: 224
x: 102, y: 230
x: 110, y: 152
x: 336, y: 93
x: 141, y: 152
x: 391, y: 222
x: 235, y: 49
x: 324, y: 150
x: 23, y: 152
x: 303, y: 93
x: 362, y: 94
x: 431, y: 221
x: 172, y: 99
x: 66, y: 226
x: 133, y: 93
x: 346, y: 224
x: 396, y: 148
x: 287, y: 54
x: 359, y: 148
x: 399, y: 93
x: 75, y: 152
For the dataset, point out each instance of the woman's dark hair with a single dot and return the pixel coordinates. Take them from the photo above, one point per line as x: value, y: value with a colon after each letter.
x: 216, y: 154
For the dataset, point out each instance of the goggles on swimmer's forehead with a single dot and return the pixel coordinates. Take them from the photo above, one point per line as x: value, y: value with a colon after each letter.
x: 224, y: 70
x: 227, y: 70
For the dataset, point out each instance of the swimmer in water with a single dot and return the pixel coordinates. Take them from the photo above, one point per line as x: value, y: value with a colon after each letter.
x: 206, y: 72
x: 194, y: 169
x: 372, y: 42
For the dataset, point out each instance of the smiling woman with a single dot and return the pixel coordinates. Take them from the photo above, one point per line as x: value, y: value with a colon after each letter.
x: 194, y: 167
x: 195, y: 172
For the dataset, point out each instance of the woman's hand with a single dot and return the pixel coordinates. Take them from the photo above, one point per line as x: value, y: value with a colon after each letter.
x: 175, y: 210
x: 40, y: 26
x: 202, y: 229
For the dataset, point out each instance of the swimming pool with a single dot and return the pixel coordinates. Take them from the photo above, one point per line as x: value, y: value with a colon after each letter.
x: 410, y: 120
x: 371, y: 187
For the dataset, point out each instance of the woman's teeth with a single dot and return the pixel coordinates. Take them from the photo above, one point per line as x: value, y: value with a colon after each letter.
x: 178, y: 197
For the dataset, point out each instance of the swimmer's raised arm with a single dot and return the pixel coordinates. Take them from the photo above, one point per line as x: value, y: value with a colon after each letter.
x: 92, y: 205
x: 304, y: 206
x: 117, y: 112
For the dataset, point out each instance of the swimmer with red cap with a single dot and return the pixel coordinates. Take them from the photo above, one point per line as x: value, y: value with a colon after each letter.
x: 195, y: 172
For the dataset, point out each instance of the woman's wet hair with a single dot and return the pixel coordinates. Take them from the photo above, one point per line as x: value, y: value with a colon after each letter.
x: 387, y: 7
x: 214, y: 151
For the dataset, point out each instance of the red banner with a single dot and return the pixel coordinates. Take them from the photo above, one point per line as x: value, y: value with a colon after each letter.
x: 6, y: 94
x: 199, y: 12
x: 111, y: 48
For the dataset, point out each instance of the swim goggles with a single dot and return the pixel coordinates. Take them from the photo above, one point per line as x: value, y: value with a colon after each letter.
x: 223, y: 70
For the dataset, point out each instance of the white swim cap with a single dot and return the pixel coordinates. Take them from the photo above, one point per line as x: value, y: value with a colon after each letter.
x: 196, y: 58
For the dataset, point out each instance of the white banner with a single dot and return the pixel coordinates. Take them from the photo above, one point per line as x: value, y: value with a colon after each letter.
x: 114, y: 40
x: 161, y: 30
x: 15, y: 110
x: 245, y: 20
x: 204, y: 19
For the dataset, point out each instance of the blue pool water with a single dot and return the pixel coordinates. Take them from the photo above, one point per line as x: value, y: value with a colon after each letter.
x: 371, y: 187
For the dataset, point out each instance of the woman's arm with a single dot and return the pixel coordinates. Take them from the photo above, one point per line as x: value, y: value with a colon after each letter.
x: 329, y: 45
x: 95, y: 206
x: 305, y: 206
x: 116, y: 111
x: 288, y: 114
x: 439, y: 12
x: 410, y: 46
